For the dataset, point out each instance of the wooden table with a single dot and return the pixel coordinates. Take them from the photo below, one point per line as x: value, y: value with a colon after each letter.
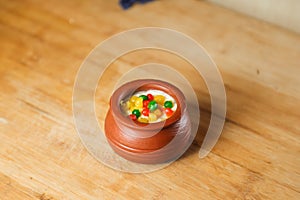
x: 43, y: 44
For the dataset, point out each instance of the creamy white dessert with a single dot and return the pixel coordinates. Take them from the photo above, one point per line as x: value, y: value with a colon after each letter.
x: 149, y: 106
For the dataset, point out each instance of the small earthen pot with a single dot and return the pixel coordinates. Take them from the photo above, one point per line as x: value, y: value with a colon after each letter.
x: 148, y: 143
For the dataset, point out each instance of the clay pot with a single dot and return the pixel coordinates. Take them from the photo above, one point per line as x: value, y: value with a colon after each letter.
x: 149, y: 143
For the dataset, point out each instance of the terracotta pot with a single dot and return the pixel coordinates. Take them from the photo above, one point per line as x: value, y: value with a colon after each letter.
x: 153, y: 142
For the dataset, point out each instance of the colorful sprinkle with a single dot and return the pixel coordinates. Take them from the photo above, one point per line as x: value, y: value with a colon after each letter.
x: 146, y: 103
x: 168, y: 104
x: 136, y: 112
x: 146, y: 112
x: 168, y: 112
x: 144, y: 97
x: 152, y: 117
x: 160, y: 99
x: 152, y: 105
x: 133, y: 117
x: 150, y: 97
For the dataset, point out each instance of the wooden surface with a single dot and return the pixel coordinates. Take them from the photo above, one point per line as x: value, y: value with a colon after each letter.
x: 43, y: 44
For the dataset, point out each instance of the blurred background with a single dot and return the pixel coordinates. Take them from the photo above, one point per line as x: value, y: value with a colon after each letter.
x: 281, y: 12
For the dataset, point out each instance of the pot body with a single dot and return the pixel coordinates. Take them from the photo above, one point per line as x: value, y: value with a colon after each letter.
x: 150, y: 143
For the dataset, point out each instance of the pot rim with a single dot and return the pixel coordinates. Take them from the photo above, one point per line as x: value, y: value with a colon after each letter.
x: 146, y: 84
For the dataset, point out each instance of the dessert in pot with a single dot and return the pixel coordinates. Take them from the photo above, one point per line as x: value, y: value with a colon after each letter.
x: 148, y: 122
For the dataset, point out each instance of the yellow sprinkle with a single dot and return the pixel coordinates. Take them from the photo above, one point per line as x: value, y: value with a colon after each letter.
x: 143, y: 120
x: 133, y: 99
x: 157, y: 112
x: 128, y: 104
x: 152, y: 117
x: 139, y: 102
x: 160, y: 99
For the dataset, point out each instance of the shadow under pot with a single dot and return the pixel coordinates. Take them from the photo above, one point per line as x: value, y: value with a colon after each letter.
x: 148, y: 122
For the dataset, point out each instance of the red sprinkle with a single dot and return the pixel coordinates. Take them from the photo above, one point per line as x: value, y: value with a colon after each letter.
x: 145, y: 103
x: 133, y: 117
x: 150, y: 97
x: 169, y: 112
x: 146, y: 111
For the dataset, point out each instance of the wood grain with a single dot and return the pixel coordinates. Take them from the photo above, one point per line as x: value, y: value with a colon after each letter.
x: 41, y: 155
